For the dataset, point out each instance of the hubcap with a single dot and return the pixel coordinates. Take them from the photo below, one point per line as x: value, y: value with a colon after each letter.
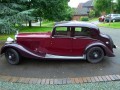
x: 10, y: 57
x: 95, y: 55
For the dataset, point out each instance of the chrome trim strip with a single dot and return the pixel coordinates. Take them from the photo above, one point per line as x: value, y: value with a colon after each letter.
x: 64, y: 57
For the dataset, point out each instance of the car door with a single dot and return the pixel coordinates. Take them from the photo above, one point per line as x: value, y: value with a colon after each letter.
x: 61, y: 42
x: 80, y: 40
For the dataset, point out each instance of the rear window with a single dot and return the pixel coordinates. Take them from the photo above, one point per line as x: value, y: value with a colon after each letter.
x: 82, y: 31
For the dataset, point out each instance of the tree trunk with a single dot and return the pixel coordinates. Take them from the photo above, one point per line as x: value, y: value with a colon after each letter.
x: 40, y: 21
x: 30, y: 23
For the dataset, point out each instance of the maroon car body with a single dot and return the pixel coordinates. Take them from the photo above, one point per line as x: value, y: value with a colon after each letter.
x: 101, y: 18
x: 68, y: 40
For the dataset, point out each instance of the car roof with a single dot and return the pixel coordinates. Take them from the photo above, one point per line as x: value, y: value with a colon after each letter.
x: 76, y: 24
x: 113, y: 14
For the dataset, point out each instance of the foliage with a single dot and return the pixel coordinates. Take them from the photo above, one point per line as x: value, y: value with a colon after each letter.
x: 118, y: 6
x: 16, y: 12
x: 92, y: 14
x: 85, y: 18
x: 52, y: 9
x: 107, y: 6
x: 103, y: 6
x: 12, y: 13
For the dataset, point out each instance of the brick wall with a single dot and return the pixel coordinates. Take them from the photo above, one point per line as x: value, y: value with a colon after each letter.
x: 75, y: 17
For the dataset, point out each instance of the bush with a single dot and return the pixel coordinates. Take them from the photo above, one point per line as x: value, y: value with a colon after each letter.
x: 84, y: 19
x: 92, y: 14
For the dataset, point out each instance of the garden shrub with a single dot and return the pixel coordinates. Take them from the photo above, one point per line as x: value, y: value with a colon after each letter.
x: 85, y: 18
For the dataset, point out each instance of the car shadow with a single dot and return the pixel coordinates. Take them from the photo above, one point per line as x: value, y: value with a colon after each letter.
x: 55, y: 68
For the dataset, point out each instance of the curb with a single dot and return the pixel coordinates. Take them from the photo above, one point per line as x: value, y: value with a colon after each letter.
x: 61, y: 81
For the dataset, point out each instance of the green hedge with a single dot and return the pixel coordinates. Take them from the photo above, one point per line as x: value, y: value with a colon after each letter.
x: 84, y: 19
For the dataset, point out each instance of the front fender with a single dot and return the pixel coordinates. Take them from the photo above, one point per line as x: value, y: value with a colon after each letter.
x: 23, y: 51
x: 107, y: 51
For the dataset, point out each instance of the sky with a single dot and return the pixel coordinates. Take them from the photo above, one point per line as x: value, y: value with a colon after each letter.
x: 74, y: 3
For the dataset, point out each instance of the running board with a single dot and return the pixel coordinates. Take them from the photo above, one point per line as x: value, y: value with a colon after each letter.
x: 64, y: 57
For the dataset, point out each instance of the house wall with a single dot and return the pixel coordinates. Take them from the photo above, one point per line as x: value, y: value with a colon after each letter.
x: 76, y: 17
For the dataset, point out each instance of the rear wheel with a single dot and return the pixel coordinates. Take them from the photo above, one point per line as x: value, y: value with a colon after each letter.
x: 12, y: 56
x: 95, y: 54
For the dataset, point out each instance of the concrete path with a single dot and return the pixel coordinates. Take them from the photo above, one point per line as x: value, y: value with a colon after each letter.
x: 33, y: 24
x: 88, y: 86
x: 96, y: 22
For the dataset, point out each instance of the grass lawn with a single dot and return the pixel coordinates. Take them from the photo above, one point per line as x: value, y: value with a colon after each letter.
x: 93, y: 19
x: 27, y: 29
x: 4, y: 37
x: 112, y: 25
x: 36, y: 29
x: 48, y: 24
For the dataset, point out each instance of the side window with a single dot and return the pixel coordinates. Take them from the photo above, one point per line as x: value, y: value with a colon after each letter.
x: 61, y: 31
x: 82, y: 31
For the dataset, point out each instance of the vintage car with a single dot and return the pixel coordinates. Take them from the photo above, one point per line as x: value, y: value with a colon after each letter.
x: 68, y: 40
x: 101, y: 18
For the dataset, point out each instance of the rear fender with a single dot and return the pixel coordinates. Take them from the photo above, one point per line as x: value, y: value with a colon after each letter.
x: 22, y: 51
x: 106, y: 50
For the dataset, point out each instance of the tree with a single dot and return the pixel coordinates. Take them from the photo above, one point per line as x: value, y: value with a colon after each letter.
x: 118, y: 6
x: 12, y: 13
x: 15, y: 12
x: 103, y: 6
x: 52, y: 9
x: 92, y: 14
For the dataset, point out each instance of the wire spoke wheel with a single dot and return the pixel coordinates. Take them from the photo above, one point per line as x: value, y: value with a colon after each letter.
x: 12, y: 56
x: 95, y: 54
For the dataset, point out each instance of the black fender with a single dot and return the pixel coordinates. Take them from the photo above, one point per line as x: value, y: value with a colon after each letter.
x: 106, y: 50
x: 22, y: 51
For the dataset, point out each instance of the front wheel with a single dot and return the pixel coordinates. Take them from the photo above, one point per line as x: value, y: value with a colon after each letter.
x: 12, y: 56
x: 95, y: 54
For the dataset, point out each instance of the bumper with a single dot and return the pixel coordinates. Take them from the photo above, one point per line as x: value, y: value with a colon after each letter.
x: 114, y: 46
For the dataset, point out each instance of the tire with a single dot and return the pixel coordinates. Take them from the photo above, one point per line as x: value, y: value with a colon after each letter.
x: 95, y: 55
x: 12, y: 56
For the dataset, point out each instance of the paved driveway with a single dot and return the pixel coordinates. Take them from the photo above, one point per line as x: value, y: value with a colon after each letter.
x: 65, y: 69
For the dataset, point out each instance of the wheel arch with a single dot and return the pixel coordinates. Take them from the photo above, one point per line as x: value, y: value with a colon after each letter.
x: 102, y: 46
x: 96, y: 46
x: 22, y: 51
x: 106, y: 50
x: 7, y: 47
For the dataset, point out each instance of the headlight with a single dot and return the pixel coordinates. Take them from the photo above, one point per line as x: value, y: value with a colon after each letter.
x: 15, y: 37
x: 9, y: 40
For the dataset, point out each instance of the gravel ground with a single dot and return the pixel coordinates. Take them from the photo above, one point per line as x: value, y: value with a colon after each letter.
x: 87, y: 86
